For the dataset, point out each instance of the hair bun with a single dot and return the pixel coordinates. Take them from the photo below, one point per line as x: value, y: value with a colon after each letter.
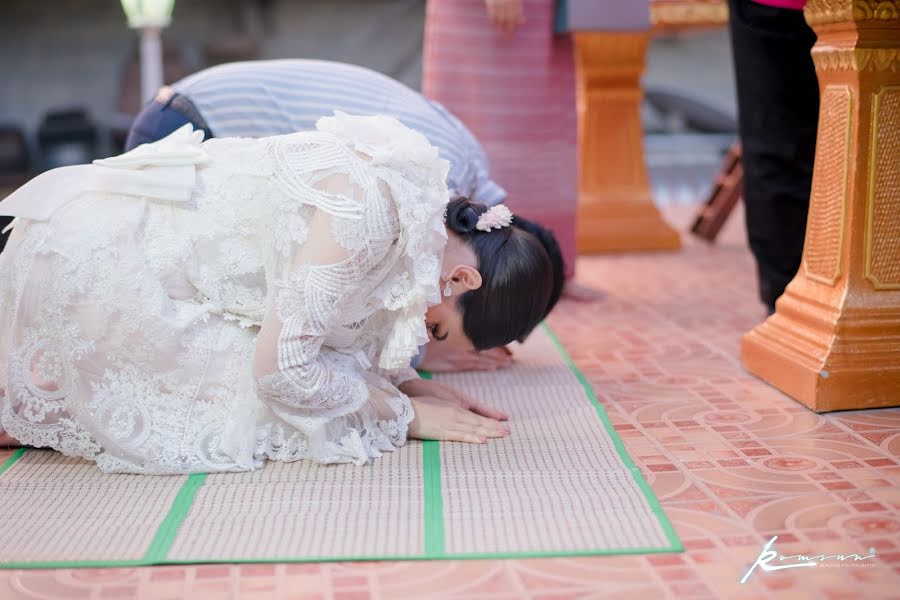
x: 463, y: 215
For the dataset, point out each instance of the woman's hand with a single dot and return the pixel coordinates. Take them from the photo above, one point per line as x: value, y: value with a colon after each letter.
x: 442, y: 391
x: 439, y: 419
x: 505, y: 15
x: 441, y: 358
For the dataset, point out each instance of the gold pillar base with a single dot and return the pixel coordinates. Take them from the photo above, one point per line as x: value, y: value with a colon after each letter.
x: 623, y: 227
x: 826, y: 359
x: 615, y: 208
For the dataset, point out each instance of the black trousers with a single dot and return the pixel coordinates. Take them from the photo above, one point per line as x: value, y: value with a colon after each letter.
x: 778, y: 108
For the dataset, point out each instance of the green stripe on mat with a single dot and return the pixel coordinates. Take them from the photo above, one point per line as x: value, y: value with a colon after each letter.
x: 168, y: 529
x: 12, y: 459
x: 159, y: 547
x: 434, y: 533
x: 434, y: 503
x: 620, y: 447
x: 434, y: 498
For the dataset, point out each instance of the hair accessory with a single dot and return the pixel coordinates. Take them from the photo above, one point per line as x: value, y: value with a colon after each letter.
x: 447, y: 291
x: 497, y: 217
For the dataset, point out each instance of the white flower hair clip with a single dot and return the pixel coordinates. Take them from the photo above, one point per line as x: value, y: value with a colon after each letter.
x: 497, y: 217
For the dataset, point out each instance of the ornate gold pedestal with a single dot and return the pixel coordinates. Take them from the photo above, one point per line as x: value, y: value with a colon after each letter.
x: 616, y: 210
x: 834, y: 340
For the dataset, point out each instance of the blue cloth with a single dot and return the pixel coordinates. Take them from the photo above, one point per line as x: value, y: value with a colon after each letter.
x: 417, y: 360
x: 561, y: 17
x: 157, y: 120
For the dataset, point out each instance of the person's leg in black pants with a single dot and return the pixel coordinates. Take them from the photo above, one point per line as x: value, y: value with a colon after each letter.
x: 778, y: 109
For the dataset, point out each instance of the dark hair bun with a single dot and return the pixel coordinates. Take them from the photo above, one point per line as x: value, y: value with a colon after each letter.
x: 462, y: 215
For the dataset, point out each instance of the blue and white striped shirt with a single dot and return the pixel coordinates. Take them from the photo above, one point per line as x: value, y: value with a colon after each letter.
x: 274, y: 97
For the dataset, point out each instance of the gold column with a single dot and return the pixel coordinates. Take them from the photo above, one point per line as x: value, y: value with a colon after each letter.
x: 834, y: 340
x: 616, y: 210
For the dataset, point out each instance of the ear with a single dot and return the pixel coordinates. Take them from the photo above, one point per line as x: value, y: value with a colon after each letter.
x: 466, y: 277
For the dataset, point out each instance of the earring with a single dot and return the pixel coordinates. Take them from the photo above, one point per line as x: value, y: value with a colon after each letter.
x: 447, y: 291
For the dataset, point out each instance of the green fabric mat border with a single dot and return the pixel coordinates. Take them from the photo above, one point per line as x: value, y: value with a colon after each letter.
x: 433, y: 513
x: 12, y: 459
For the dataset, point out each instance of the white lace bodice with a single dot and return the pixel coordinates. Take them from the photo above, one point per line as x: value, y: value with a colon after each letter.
x: 263, y: 301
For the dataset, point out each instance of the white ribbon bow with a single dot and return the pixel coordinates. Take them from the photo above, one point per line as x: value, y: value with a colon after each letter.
x: 163, y: 170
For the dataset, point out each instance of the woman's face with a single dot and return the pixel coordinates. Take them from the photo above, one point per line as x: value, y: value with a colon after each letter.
x: 445, y: 324
x: 459, y: 271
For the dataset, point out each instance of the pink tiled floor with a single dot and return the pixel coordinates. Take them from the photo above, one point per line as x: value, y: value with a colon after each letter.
x: 732, y: 460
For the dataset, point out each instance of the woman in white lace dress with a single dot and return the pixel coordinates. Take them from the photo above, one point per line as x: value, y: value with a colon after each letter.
x: 195, y: 306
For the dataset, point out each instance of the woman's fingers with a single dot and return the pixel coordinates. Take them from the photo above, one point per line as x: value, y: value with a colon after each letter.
x: 443, y: 420
x: 468, y: 424
x: 471, y: 404
x: 452, y: 394
x: 501, y: 356
x: 495, y: 429
x: 461, y: 432
x: 442, y: 360
x: 467, y: 432
x: 491, y: 433
x: 487, y: 361
x: 474, y: 421
x: 486, y: 411
x: 484, y: 362
x: 497, y: 361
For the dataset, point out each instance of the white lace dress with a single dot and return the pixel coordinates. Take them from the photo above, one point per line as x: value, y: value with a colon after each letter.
x: 203, y: 307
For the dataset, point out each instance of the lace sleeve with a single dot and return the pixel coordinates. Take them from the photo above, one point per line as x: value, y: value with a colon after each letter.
x: 398, y: 377
x: 343, y: 413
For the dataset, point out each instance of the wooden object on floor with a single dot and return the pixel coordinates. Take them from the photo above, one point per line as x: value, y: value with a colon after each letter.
x: 616, y: 211
x: 726, y: 192
x: 834, y: 340
x: 674, y: 16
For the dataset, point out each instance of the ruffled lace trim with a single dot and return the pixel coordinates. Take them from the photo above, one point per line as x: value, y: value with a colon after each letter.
x: 417, y: 178
x: 358, y: 437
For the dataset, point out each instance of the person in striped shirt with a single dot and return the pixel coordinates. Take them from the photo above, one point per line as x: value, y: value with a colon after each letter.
x: 274, y: 97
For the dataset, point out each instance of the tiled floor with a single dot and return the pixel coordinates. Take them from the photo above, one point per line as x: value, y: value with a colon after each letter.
x: 733, y: 461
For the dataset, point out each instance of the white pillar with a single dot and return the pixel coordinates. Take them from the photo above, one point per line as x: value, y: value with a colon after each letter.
x: 151, y: 62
